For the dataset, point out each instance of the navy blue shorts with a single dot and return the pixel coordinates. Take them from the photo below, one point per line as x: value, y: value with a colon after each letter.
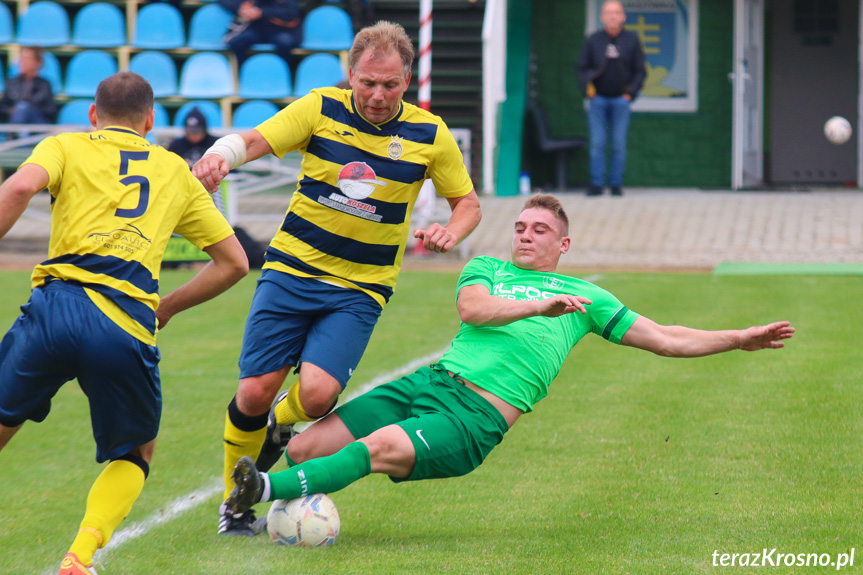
x: 61, y: 335
x: 295, y: 319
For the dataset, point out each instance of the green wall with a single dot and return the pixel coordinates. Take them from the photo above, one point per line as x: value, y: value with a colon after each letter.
x: 665, y: 149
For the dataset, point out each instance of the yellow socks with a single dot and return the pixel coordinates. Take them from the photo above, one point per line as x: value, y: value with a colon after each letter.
x: 110, y: 500
x: 244, y: 435
x: 290, y: 410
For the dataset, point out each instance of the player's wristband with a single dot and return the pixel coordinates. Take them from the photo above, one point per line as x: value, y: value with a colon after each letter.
x: 232, y: 148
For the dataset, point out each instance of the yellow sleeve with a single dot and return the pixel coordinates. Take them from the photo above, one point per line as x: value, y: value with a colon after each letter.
x: 447, y: 170
x: 293, y: 126
x: 50, y: 154
x: 202, y: 223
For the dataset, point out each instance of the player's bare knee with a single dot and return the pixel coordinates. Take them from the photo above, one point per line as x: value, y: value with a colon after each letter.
x: 300, y: 449
x: 318, y: 397
x: 256, y: 394
x: 383, y: 446
x: 376, y: 445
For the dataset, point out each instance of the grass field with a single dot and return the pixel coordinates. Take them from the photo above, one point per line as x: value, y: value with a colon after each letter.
x: 633, y: 464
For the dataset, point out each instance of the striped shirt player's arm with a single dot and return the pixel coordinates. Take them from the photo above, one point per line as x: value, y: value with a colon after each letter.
x: 31, y: 177
x: 292, y: 127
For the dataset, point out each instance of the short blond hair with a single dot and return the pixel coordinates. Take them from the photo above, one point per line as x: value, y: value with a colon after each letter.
x: 553, y: 205
x: 382, y: 38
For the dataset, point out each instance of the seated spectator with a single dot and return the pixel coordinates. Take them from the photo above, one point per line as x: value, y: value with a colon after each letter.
x: 28, y: 98
x: 195, y: 139
x: 193, y: 143
x: 276, y: 22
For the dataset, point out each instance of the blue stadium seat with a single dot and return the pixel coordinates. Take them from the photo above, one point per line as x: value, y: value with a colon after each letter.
x: 7, y: 29
x: 160, y: 121
x: 157, y: 68
x: 327, y: 28
x: 207, y: 75
x: 211, y: 112
x: 250, y: 114
x: 50, y: 71
x: 265, y: 76
x: 85, y: 70
x: 161, y: 118
x: 208, y: 26
x: 317, y: 71
x: 159, y: 27
x: 44, y: 24
x: 75, y: 112
x: 99, y: 25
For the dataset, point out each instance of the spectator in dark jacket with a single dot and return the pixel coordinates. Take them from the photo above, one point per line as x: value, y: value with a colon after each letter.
x: 610, y: 73
x: 28, y: 98
x: 276, y: 22
x: 195, y: 139
x: 193, y: 143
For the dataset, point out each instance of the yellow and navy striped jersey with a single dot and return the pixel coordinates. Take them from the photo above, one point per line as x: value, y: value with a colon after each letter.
x: 349, y: 219
x: 116, y: 199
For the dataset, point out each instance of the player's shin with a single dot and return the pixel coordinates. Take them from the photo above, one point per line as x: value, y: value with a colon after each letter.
x: 110, y: 500
x: 323, y: 475
x: 244, y: 435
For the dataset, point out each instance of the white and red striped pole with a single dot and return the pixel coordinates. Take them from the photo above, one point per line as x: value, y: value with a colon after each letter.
x: 424, y: 96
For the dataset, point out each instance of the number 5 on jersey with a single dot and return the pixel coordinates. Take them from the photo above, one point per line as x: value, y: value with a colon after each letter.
x: 144, y: 194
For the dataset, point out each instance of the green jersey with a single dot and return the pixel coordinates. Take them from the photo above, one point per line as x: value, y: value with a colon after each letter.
x: 518, y: 361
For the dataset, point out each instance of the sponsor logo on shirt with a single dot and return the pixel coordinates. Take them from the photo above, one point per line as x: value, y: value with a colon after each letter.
x: 552, y: 283
x: 127, y: 239
x: 521, y: 292
x: 358, y: 180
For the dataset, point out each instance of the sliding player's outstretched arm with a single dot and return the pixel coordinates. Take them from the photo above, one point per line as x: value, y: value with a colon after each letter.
x: 680, y: 341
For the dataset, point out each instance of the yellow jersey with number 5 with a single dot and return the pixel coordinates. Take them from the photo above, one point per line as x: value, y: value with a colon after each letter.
x: 115, y: 201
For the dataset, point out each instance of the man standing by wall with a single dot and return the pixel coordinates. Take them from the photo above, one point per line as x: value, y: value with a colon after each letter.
x: 610, y: 74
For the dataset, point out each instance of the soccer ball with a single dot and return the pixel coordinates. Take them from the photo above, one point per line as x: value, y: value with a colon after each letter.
x: 309, y: 521
x: 837, y: 129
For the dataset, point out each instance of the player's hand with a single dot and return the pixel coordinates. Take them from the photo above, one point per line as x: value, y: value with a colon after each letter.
x: 211, y: 170
x: 563, y: 304
x: 162, y: 319
x: 766, y: 336
x: 436, y: 238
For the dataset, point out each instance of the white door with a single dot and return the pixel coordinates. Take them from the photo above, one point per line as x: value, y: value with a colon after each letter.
x: 747, y: 162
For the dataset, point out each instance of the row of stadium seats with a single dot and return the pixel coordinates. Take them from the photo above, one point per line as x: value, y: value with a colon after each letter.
x: 156, y: 26
x: 204, y: 75
x: 247, y: 115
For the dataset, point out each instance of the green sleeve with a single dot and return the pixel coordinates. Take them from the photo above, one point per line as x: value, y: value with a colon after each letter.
x: 619, y: 324
x: 480, y: 271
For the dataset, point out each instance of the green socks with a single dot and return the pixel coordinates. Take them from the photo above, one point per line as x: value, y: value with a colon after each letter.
x: 322, y: 475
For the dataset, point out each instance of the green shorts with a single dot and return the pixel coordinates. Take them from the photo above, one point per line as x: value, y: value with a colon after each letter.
x: 452, y: 427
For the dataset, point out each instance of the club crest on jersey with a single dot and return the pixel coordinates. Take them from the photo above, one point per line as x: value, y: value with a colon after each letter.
x: 357, y: 180
x: 552, y: 283
x: 395, y: 149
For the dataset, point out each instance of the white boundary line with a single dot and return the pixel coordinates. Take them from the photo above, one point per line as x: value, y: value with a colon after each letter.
x: 196, y: 498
